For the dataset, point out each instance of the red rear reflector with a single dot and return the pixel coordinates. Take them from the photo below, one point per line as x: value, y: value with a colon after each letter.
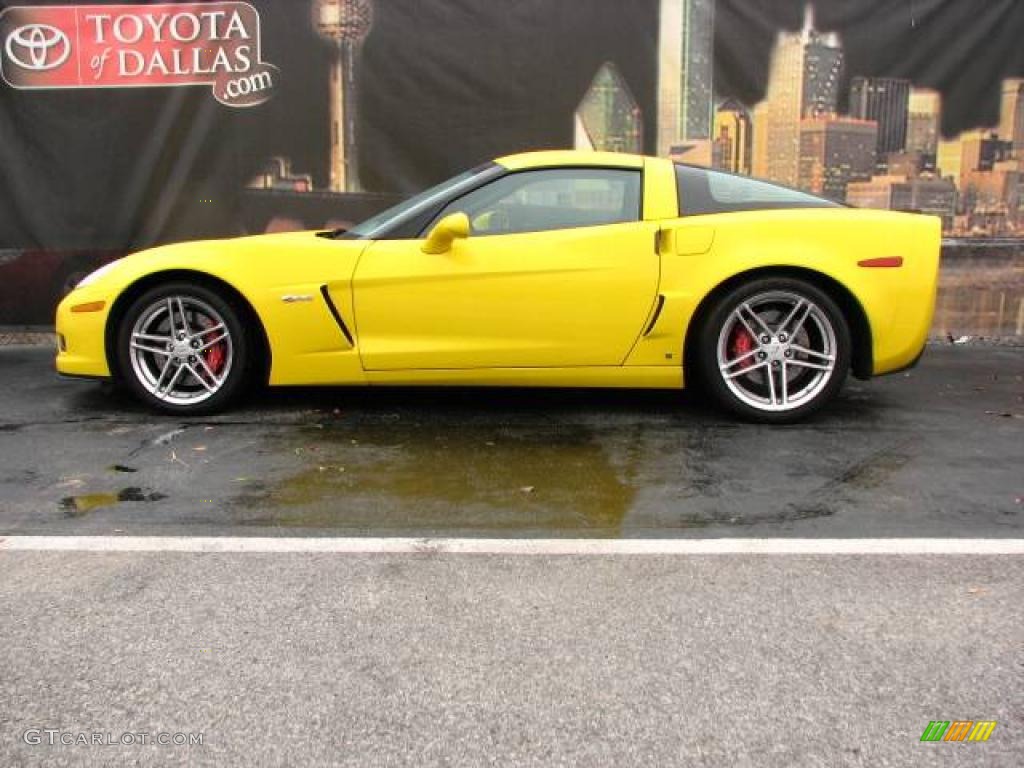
x: 91, y: 306
x: 882, y: 261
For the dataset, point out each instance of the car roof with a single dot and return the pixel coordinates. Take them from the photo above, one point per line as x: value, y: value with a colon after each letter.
x: 569, y: 157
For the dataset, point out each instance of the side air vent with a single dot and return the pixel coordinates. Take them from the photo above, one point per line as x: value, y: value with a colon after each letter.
x: 656, y: 315
x: 337, y: 315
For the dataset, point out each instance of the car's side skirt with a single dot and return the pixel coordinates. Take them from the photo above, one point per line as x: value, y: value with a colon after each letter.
x: 645, y: 377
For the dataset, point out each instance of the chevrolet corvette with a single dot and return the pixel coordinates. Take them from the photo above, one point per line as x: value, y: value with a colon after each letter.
x: 554, y: 268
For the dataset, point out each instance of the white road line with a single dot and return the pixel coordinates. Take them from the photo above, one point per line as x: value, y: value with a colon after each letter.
x: 357, y: 545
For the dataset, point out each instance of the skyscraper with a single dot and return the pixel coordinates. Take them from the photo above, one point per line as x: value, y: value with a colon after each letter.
x: 982, y: 150
x: 1011, y: 114
x: 802, y: 82
x: 886, y: 100
x: 732, y: 140
x: 777, y: 117
x: 988, y: 179
x: 923, y: 121
x: 685, y: 69
x: 950, y: 152
x: 994, y: 198
x: 823, y: 63
x: 345, y: 23
x: 835, y: 151
x: 608, y: 117
x: 972, y: 151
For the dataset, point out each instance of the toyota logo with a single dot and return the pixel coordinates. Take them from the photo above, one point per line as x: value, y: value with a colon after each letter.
x: 38, y: 47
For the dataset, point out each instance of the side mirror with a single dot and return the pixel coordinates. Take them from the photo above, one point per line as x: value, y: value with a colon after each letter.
x: 454, y: 226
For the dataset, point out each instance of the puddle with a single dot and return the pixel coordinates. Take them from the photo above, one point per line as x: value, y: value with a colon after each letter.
x: 76, y: 506
x: 454, y: 478
x: 427, y: 477
x: 84, y: 503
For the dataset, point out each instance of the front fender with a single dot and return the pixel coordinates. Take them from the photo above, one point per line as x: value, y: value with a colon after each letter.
x: 306, y: 342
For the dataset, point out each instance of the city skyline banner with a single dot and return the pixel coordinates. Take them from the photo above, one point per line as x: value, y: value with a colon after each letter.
x: 129, y: 125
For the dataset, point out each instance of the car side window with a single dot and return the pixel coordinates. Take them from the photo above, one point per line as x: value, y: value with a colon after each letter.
x: 703, y: 191
x: 555, y: 198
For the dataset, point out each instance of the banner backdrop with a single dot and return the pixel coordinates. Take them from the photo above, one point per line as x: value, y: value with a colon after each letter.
x: 128, y: 125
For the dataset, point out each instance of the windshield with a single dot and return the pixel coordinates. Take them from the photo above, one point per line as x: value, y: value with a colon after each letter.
x: 385, y: 221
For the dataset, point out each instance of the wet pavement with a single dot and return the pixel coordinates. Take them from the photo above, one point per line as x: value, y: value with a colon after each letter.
x: 936, y: 451
x: 433, y: 659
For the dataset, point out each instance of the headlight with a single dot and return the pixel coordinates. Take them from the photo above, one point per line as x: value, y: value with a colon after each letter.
x: 96, y: 274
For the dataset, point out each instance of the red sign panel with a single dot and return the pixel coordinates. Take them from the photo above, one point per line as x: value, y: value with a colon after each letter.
x: 118, y: 46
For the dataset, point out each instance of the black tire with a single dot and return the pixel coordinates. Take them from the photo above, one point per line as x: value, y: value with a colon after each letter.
x: 240, y: 356
x: 760, y: 395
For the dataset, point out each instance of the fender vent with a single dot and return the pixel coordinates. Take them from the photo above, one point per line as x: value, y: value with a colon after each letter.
x: 337, y: 315
x: 656, y: 315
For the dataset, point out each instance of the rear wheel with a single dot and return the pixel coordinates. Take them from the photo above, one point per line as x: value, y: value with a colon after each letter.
x: 774, y: 350
x: 182, y: 349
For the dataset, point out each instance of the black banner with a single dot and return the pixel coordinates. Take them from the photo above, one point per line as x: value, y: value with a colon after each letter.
x: 128, y: 125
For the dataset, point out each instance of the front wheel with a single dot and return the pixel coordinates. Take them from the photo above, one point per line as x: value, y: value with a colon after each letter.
x: 774, y: 350
x: 182, y: 349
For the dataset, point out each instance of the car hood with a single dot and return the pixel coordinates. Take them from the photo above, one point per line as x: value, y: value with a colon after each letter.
x: 275, y: 258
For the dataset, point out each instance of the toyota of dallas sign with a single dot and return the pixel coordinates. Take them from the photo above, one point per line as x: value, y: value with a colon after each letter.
x: 125, y: 46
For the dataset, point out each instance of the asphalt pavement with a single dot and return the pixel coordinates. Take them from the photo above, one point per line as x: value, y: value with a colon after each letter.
x: 936, y: 451
x: 425, y: 660
x: 440, y: 659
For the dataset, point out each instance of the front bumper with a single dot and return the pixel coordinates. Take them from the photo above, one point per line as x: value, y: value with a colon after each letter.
x: 81, y: 345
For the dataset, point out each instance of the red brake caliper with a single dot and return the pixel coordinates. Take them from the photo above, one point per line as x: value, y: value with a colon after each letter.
x: 740, y: 343
x: 216, y: 355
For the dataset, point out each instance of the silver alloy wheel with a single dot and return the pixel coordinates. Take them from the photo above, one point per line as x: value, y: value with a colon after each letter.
x: 181, y: 350
x: 777, y: 351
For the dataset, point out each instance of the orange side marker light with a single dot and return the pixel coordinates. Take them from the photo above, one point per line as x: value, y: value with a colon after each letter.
x: 882, y: 261
x: 89, y: 306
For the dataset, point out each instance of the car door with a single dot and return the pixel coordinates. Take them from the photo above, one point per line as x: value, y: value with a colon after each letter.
x: 558, y: 270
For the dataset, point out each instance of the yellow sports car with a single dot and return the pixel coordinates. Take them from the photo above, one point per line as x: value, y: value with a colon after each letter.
x: 539, y: 269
